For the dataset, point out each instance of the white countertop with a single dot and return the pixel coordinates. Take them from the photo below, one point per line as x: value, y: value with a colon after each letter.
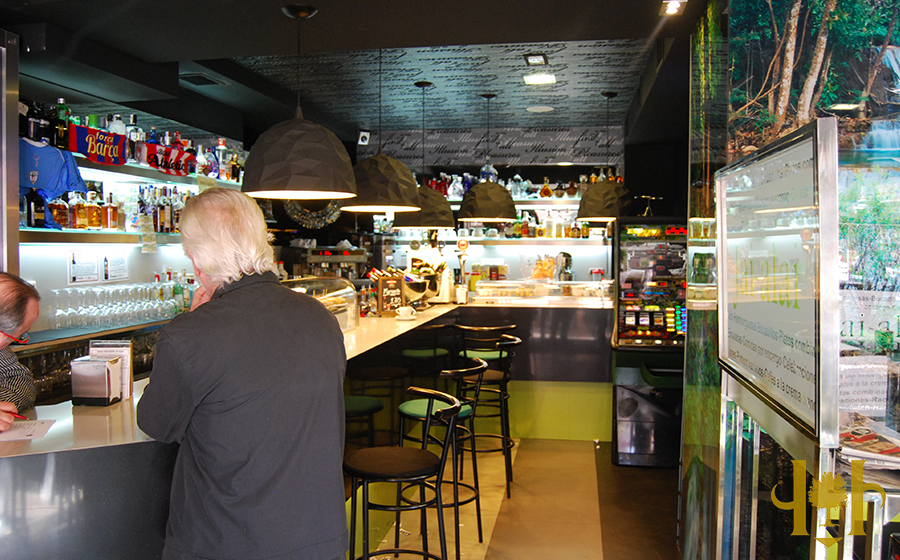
x: 82, y: 427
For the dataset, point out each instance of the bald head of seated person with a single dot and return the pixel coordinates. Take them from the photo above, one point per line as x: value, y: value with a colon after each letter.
x: 19, y: 308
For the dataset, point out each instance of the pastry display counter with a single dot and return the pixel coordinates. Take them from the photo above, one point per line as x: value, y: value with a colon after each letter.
x: 592, y: 295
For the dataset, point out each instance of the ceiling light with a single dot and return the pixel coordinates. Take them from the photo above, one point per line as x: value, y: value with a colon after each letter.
x: 539, y: 109
x: 383, y: 184
x: 601, y: 202
x: 487, y: 202
x: 540, y: 79
x: 536, y: 59
x: 435, y: 213
x: 565, y: 164
x: 672, y: 7
x: 298, y: 159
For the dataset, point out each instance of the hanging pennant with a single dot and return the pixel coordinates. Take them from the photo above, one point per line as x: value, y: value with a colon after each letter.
x: 169, y: 160
x: 97, y: 145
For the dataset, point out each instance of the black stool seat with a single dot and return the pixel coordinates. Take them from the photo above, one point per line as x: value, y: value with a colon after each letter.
x: 391, y: 463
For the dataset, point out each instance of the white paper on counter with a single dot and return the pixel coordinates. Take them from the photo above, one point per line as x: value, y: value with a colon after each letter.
x: 27, y: 429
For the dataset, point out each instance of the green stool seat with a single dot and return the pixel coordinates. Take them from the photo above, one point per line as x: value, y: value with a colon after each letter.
x: 361, y: 405
x: 486, y: 355
x: 417, y: 408
x: 424, y: 353
x: 362, y: 408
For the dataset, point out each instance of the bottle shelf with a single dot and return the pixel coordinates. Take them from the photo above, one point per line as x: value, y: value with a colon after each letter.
x: 489, y: 241
x: 40, y: 235
x: 141, y: 174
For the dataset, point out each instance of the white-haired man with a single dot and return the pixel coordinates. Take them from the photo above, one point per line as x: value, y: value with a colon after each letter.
x: 19, y: 308
x: 250, y: 384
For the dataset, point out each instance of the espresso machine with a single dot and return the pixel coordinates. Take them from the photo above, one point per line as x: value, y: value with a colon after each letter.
x: 564, y: 267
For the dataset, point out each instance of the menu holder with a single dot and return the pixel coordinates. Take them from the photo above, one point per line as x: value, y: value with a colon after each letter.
x: 390, y: 296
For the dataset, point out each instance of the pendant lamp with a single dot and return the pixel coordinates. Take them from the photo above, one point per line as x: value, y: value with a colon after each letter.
x: 383, y: 184
x: 601, y: 202
x: 299, y: 159
x: 435, y: 212
x: 487, y: 201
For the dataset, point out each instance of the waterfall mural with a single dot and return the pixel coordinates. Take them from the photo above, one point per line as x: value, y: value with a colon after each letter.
x: 795, y: 60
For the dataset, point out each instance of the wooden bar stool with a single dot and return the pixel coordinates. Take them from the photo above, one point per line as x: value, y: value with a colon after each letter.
x: 416, y: 410
x: 406, y: 467
x: 494, y: 345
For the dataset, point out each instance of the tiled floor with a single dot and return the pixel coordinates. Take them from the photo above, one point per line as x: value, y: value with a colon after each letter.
x: 568, y: 502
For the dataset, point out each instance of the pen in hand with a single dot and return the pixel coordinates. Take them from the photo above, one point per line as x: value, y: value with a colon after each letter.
x: 19, y: 416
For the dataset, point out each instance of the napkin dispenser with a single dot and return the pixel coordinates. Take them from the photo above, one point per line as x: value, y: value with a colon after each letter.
x: 96, y: 381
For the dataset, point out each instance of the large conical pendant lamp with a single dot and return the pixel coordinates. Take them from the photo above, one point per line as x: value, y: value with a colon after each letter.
x: 487, y: 201
x: 435, y: 213
x: 298, y: 159
x: 383, y: 184
x: 602, y: 202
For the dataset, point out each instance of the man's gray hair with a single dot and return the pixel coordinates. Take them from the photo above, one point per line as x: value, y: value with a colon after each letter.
x: 225, y: 232
x: 14, y: 296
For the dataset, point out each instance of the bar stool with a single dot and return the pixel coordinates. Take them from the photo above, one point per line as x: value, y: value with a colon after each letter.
x: 427, y: 349
x: 406, y: 466
x: 362, y: 408
x: 494, y: 345
x: 382, y: 380
x: 416, y: 410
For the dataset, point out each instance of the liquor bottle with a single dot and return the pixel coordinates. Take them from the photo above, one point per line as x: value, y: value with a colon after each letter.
x: 177, y: 206
x: 546, y: 191
x: 109, y: 213
x: 167, y: 139
x: 221, y: 158
x: 152, y: 138
x: 92, y: 207
x: 212, y: 163
x: 163, y: 210
x: 35, y: 209
x: 117, y: 126
x: 202, y: 165
x: 488, y: 172
x: 132, y: 145
x: 176, y: 141
x: 78, y: 211
x: 236, y: 169
x: 59, y: 209
x: 59, y: 127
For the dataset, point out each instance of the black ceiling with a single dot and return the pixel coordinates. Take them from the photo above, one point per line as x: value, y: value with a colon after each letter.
x: 127, y: 56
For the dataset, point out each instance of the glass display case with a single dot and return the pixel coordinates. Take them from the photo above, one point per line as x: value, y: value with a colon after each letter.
x: 544, y: 293
x: 337, y: 294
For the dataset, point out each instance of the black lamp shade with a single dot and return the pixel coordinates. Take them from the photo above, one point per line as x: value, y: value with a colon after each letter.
x: 298, y: 159
x: 602, y: 202
x: 487, y: 202
x: 435, y: 213
x: 383, y: 184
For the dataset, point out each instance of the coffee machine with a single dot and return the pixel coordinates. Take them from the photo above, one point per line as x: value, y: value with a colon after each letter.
x: 564, y: 267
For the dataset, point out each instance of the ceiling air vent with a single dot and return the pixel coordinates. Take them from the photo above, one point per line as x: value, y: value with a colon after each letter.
x: 198, y: 79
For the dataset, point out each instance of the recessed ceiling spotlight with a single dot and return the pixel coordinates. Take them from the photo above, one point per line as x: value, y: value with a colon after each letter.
x: 565, y: 164
x: 672, y: 7
x: 536, y: 59
x: 540, y: 79
x: 539, y: 109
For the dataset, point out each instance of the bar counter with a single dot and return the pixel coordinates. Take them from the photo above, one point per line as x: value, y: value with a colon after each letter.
x: 85, y: 491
